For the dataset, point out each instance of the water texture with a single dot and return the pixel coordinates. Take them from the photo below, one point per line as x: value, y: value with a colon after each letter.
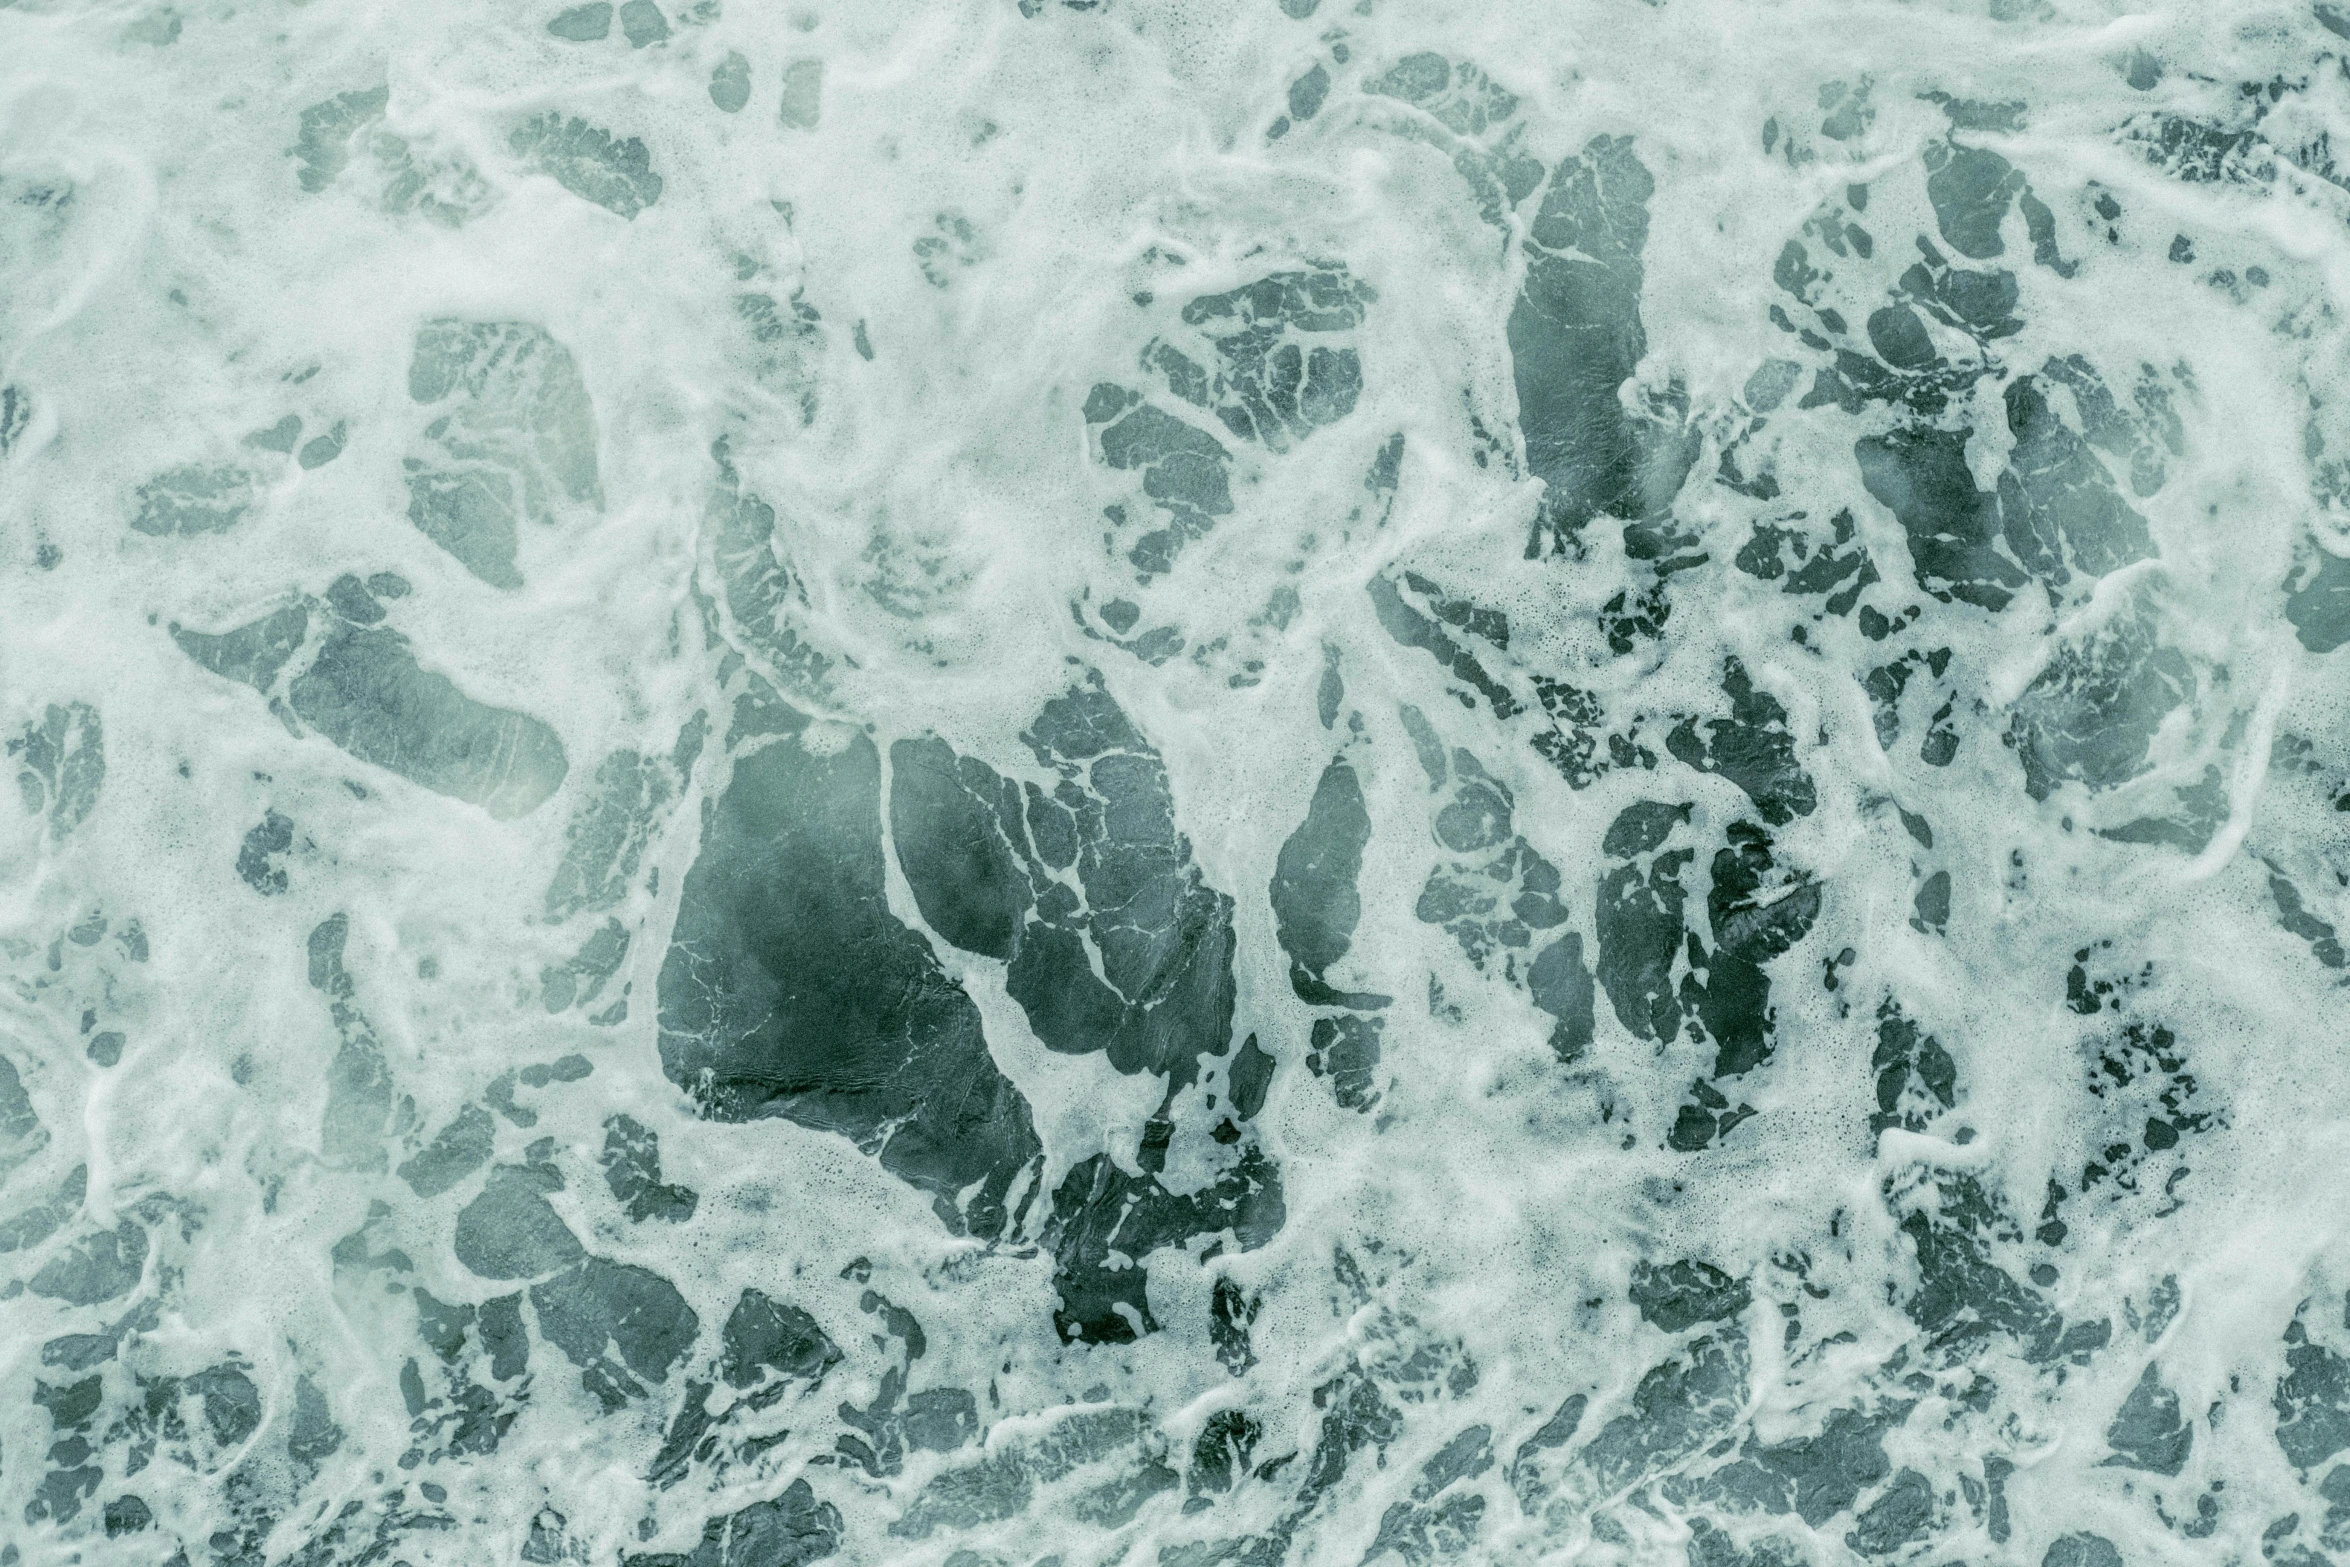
x: 1194, y: 783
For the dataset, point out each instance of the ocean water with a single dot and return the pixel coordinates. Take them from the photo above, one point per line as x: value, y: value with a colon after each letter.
x: 1174, y: 782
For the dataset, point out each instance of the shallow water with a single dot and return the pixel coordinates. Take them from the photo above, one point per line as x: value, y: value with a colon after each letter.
x: 1174, y: 783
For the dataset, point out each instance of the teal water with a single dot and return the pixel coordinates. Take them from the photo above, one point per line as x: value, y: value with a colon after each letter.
x: 1275, y: 782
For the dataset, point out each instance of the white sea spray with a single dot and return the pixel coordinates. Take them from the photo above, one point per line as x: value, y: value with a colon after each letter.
x: 1134, y: 781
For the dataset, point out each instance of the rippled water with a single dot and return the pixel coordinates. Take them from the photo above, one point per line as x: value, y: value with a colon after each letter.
x: 1146, y: 781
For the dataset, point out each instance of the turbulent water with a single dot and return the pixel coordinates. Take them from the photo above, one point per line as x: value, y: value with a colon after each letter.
x: 1174, y: 782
